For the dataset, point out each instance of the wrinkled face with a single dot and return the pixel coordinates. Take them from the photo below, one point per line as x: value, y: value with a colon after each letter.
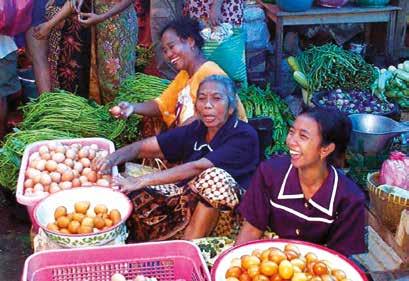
x: 304, y: 143
x: 178, y: 51
x: 212, y: 105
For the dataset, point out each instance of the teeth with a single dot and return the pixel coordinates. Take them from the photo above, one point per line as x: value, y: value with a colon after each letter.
x: 174, y: 60
x: 293, y: 152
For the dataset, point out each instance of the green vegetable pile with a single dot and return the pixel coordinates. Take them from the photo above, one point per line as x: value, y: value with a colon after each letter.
x: 258, y: 102
x: 393, y: 84
x: 13, y: 148
x: 63, y: 111
x: 330, y: 67
x: 141, y: 87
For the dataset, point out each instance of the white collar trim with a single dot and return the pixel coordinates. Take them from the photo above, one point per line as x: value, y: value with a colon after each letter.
x: 202, y: 146
x: 329, y: 211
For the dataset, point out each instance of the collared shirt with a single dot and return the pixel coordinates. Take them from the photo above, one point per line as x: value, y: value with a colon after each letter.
x: 234, y: 148
x: 334, y: 216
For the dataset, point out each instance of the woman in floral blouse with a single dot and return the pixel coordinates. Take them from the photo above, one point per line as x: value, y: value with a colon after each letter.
x: 215, y: 12
x: 116, y: 34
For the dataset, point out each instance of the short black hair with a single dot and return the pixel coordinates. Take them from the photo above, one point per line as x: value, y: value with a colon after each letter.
x: 335, y: 127
x: 186, y: 27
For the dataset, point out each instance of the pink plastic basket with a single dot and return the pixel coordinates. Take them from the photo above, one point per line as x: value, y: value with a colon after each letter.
x: 167, y: 261
x: 31, y: 201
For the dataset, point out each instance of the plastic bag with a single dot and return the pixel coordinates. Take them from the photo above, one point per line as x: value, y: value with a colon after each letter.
x: 15, y: 16
x: 395, y: 170
x: 229, y: 54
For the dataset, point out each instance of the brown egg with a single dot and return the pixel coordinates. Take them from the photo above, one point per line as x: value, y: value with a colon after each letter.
x: 84, y: 229
x: 92, y: 176
x: 82, y: 207
x: 60, y: 211
x: 87, y: 221
x: 67, y: 176
x: 76, y: 183
x: 108, y: 222
x: 74, y: 226
x: 63, y: 222
x: 78, y: 217
x: 115, y: 216
x: 100, y: 209
x: 99, y: 222
x: 52, y: 226
x: 64, y: 231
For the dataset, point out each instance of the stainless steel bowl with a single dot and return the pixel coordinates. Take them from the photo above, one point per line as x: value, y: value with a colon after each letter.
x: 371, y: 133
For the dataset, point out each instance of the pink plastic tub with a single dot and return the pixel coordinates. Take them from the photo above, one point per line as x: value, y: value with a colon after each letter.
x: 31, y: 201
x: 167, y: 261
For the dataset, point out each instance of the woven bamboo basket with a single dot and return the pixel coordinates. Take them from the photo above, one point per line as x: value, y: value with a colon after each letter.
x: 388, y: 207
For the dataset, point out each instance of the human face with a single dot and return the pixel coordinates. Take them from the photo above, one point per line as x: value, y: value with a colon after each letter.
x: 212, y: 105
x: 178, y: 51
x: 304, y: 142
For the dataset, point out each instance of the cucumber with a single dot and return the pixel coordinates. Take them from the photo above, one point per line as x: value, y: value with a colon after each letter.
x: 392, y: 68
x: 402, y: 75
x: 300, y: 78
x: 400, y: 66
x: 406, y: 66
x: 292, y: 61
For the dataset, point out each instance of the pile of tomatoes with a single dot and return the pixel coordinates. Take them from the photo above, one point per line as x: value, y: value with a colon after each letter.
x: 274, y: 264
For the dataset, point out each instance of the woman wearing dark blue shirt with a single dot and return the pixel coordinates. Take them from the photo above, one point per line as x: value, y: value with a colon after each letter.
x: 219, y: 155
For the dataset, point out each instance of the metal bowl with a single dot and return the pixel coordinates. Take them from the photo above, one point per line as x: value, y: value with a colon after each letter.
x: 371, y: 133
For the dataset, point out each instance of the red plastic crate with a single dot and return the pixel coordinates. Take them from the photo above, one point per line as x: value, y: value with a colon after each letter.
x: 167, y: 261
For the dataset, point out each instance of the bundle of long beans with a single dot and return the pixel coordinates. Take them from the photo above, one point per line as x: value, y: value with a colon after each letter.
x: 330, y: 67
x: 258, y: 102
x: 69, y: 113
x: 13, y: 147
x: 141, y: 87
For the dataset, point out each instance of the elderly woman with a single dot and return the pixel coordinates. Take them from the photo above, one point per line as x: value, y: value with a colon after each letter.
x: 219, y: 155
x: 302, y: 196
x: 181, y: 43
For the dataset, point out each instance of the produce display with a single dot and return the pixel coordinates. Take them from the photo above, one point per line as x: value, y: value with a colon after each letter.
x: 140, y: 88
x: 84, y: 220
x: 73, y: 114
x: 56, y: 166
x: 13, y: 148
x: 274, y: 264
x: 258, y: 102
x: 393, y: 84
x: 356, y: 102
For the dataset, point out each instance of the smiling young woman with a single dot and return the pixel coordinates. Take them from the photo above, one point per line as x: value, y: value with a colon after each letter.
x: 303, y: 196
x: 182, y: 47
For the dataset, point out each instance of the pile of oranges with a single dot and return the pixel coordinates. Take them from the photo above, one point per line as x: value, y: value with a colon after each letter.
x: 274, y: 264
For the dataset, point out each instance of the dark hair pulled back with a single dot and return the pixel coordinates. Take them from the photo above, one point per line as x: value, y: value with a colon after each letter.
x: 185, y: 28
x: 335, y: 127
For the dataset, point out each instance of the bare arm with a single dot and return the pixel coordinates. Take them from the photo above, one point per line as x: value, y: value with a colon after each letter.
x: 92, y: 18
x: 65, y: 11
x: 247, y: 233
x: 148, y: 108
x: 147, y: 148
x: 215, y: 15
x: 173, y: 175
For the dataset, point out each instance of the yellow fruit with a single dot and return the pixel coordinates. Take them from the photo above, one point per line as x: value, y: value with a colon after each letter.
x: 100, y: 209
x: 285, y: 269
x: 63, y: 222
x: 82, y: 207
x: 73, y: 226
x: 60, y: 212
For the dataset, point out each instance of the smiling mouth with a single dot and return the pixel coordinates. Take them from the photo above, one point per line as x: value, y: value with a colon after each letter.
x: 294, y: 153
x: 174, y: 60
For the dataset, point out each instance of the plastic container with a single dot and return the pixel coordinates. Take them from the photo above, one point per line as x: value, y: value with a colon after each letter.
x: 294, y: 6
x: 372, y: 3
x: 255, y: 27
x: 167, y: 261
x: 31, y: 201
x: 332, y: 3
x: 223, y: 262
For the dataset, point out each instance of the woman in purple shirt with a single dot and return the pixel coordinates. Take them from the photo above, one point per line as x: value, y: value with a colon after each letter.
x: 197, y: 198
x: 302, y: 196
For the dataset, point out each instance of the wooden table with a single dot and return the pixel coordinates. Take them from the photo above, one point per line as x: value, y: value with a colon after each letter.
x: 321, y: 15
x: 401, y: 26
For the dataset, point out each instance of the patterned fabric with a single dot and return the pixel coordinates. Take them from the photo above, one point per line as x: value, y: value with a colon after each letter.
x: 69, y: 53
x: 163, y: 211
x: 116, y: 41
x: 232, y: 10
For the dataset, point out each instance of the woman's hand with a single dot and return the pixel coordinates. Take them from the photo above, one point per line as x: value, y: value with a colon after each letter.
x: 122, y: 111
x: 103, y: 165
x: 41, y: 31
x: 128, y: 184
x: 77, y: 5
x: 89, y: 19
